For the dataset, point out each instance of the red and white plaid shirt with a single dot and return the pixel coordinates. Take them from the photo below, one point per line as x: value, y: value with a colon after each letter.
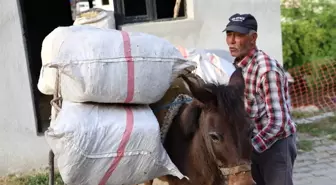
x: 266, y: 99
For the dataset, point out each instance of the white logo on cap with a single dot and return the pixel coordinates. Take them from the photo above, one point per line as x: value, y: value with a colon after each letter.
x: 238, y: 19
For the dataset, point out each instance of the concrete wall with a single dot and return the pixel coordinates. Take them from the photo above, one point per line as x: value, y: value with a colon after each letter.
x: 207, y: 19
x: 20, y: 148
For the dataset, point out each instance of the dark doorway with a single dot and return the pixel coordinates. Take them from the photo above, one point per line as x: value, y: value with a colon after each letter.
x: 39, y: 18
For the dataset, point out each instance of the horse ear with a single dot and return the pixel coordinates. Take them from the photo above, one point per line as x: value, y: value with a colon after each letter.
x: 237, y: 80
x: 189, y: 120
x: 197, y: 88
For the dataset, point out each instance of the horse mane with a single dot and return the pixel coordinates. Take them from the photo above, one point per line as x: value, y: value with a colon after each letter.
x: 228, y: 101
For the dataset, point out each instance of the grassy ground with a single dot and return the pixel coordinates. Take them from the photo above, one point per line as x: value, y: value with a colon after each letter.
x: 305, y: 145
x: 299, y: 115
x: 325, y: 128
x: 36, y: 178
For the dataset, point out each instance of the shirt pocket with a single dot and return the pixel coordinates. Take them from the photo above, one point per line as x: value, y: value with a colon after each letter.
x: 251, y: 106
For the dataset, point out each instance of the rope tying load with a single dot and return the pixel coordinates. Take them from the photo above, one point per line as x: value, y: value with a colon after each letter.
x: 56, y: 103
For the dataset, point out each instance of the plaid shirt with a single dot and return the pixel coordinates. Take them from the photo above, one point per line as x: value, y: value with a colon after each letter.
x: 266, y: 99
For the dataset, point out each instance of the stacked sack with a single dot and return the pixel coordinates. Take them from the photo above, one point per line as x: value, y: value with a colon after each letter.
x: 210, y: 67
x: 103, y: 131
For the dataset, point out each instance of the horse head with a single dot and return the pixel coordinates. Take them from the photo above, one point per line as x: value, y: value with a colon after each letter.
x: 219, y: 131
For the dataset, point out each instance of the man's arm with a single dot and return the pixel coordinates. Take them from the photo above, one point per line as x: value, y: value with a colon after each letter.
x: 273, y: 93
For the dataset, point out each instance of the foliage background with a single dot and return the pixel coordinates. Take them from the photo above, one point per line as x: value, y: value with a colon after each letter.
x: 308, y: 31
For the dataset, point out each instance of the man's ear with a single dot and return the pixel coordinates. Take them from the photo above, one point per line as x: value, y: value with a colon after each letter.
x: 254, y: 38
x: 237, y: 80
x: 198, y: 89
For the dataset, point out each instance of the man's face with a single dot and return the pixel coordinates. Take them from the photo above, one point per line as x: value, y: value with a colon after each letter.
x: 240, y: 44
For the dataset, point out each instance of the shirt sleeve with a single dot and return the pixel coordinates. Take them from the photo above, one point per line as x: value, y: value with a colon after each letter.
x: 273, y: 93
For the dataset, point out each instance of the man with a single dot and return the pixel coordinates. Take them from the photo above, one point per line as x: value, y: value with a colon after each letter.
x: 266, y: 102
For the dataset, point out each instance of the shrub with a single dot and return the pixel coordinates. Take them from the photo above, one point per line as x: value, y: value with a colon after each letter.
x: 308, y: 32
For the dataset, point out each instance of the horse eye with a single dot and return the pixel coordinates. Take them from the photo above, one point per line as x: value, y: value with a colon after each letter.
x: 215, y: 137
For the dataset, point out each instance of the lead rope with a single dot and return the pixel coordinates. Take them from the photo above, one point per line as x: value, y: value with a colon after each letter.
x: 56, y: 103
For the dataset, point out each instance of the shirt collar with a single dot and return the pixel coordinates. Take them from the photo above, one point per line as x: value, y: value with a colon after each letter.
x: 242, y: 63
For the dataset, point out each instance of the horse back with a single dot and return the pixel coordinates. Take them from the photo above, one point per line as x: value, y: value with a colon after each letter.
x: 159, y: 108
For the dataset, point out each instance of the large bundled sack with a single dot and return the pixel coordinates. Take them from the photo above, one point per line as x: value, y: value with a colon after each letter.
x: 109, y: 66
x: 210, y: 67
x: 108, y: 145
x: 96, y: 17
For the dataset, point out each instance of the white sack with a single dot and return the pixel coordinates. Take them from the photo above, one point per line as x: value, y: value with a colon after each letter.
x: 96, y: 17
x: 86, y: 140
x: 109, y: 66
x: 210, y: 67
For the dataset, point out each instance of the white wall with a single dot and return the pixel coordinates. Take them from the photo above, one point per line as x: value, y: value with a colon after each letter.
x: 207, y: 20
x: 20, y: 148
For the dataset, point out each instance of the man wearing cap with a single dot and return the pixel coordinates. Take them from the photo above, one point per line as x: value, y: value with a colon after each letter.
x: 266, y: 102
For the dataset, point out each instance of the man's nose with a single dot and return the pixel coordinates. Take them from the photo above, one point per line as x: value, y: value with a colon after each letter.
x: 232, y: 39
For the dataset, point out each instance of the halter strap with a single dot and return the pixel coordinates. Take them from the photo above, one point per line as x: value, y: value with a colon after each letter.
x: 236, y: 169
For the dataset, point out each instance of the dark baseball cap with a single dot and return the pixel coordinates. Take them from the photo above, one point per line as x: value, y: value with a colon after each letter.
x: 242, y: 23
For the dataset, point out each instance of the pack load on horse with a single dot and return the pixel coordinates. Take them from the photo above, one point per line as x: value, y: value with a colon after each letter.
x: 104, y: 131
x: 210, y: 67
x: 126, y: 112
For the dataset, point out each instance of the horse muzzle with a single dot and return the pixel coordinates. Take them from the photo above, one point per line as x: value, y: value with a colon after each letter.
x: 238, y: 175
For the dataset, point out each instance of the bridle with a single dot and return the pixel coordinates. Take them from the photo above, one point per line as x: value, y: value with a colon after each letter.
x: 235, y: 170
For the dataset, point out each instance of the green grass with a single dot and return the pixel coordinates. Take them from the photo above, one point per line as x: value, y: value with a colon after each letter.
x: 323, y: 128
x: 300, y: 115
x: 305, y: 145
x: 40, y: 178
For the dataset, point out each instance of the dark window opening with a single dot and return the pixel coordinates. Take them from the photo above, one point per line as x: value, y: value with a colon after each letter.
x: 165, y: 9
x: 134, y: 8
x: 128, y: 11
x: 105, y: 2
x: 39, y: 19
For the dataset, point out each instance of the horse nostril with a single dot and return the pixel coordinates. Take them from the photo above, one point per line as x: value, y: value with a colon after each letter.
x: 216, y: 137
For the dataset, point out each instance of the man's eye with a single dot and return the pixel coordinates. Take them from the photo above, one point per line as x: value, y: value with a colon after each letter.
x: 239, y: 35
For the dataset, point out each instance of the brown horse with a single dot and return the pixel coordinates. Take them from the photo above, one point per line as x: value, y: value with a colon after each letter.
x: 210, y: 138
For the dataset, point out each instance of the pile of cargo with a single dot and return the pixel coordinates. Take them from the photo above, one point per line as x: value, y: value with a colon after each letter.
x: 103, y: 80
x: 210, y: 67
x: 103, y: 131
